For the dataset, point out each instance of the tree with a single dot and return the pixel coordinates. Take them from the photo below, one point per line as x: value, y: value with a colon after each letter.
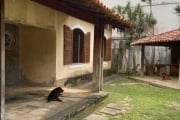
x: 177, y: 9
x: 149, y: 65
x: 141, y: 22
x: 150, y: 4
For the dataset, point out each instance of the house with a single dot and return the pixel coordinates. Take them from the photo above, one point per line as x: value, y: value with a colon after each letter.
x: 44, y: 42
x: 169, y: 39
x: 50, y: 41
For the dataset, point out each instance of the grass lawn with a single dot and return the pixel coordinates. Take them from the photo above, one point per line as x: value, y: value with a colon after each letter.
x: 145, y: 102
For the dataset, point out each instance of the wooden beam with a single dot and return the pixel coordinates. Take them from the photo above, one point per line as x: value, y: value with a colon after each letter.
x: 69, y: 9
x: 98, y: 56
x: 165, y: 44
x: 85, y: 10
x: 2, y: 59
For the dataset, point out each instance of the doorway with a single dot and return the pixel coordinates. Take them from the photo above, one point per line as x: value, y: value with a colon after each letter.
x: 12, y: 74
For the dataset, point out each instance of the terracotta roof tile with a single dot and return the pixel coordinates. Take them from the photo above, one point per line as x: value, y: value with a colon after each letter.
x: 94, y: 7
x: 109, y: 13
x: 160, y: 39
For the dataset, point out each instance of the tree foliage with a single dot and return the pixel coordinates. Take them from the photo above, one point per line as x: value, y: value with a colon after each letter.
x: 141, y: 21
x: 177, y: 9
x: 149, y: 1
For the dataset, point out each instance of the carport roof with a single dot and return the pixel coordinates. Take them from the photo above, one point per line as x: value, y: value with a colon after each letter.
x: 88, y: 10
x: 171, y: 38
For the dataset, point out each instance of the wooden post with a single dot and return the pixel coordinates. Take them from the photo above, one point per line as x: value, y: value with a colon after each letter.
x: 2, y: 60
x: 97, y: 56
x: 179, y: 69
x: 142, y: 60
x: 102, y: 57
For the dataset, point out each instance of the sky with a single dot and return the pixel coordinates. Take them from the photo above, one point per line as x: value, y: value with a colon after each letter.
x: 166, y: 18
x: 111, y: 3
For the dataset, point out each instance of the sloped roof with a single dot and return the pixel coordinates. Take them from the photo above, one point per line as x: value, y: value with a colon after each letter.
x: 88, y: 10
x: 171, y: 38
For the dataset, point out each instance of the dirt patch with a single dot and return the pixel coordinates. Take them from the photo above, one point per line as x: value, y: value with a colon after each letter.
x: 174, y: 105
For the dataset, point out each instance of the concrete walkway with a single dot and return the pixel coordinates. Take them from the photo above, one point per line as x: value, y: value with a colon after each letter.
x: 29, y: 103
x: 173, y: 83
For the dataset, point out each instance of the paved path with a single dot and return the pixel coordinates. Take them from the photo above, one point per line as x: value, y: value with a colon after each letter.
x: 173, y: 83
x: 29, y: 103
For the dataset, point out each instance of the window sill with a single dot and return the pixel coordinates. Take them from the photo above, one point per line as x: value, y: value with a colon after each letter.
x: 77, y: 65
x: 106, y: 62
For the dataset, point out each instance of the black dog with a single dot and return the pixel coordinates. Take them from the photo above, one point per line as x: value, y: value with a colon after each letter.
x: 54, y: 94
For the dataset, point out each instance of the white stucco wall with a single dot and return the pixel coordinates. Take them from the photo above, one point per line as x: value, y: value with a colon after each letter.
x: 65, y: 71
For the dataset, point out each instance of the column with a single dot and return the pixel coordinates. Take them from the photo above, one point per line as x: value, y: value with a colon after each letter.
x: 98, y: 56
x: 2, y: 59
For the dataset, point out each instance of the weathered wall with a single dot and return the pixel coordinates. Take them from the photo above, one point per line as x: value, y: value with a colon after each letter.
x: 12, y: 54
x: 37, y: 44
x: 29, y: 13
x: 37, y: 54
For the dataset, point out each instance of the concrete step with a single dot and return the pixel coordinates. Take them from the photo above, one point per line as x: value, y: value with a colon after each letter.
x: 72, y: 111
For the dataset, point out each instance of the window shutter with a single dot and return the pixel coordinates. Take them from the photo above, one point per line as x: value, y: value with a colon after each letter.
x: 87, y: 47
x: 68, y: 45
x: 108, y: 50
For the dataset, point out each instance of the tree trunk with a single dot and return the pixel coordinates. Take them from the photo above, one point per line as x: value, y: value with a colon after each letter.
x: 152, y: 61
x: 130, y: 57
x: 115, y: 60
x: 134, y: 57
x: 142, y: 60
x: 153, y: 48
x: 120, y: 56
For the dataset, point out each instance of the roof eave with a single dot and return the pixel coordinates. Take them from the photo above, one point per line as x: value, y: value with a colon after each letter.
x: 88, y: 10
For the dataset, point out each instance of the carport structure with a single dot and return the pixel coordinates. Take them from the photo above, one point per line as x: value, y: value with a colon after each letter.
x: 91, y: 11
x: 169, y: 39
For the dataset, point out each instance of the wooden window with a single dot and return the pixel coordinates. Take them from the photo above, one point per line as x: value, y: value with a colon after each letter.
x: 68, y: 45
x: 76, y: 46
x: 107, y: 49
x: 86, y: 50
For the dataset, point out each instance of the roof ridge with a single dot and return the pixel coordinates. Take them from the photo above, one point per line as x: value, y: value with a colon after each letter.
x: 168, y: 32
x: 166, y: 38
